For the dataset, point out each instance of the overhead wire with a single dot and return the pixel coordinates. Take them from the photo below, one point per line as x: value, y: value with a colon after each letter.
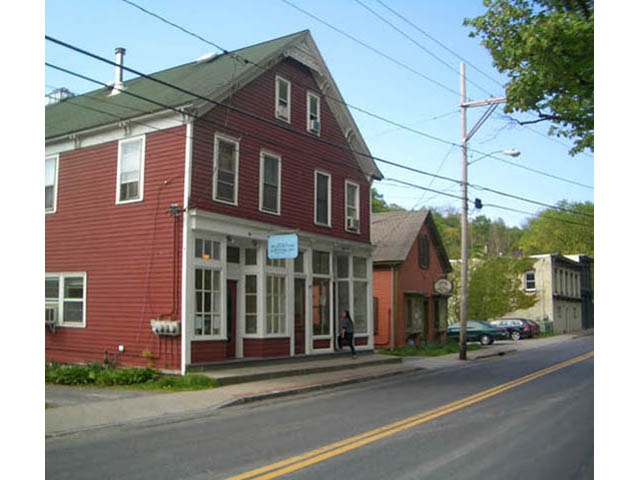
x: 251, y: 115
x: 416, y: 43
x: 467, y: 62
x: 353, y: 107
x: 373, y: 49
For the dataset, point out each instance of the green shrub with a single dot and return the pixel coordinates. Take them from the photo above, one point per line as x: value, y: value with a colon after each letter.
x: 106, y: 376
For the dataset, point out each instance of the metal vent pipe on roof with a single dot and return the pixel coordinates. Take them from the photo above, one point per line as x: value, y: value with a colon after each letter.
x: 118, y: 85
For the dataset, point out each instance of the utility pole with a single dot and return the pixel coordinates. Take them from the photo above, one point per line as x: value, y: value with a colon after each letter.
x: 493, y: 104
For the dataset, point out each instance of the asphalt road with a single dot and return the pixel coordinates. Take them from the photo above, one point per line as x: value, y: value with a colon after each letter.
x: 506, y: 424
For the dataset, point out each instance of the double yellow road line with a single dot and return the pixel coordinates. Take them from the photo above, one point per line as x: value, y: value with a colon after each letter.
x: 321, y: 454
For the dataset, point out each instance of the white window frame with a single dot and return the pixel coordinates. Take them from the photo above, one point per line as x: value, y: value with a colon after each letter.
x: 315, y: 198
x: 217, y: 138
x: 56, y: 162
x: 312, y: 116
x: 263, y: 154
x: 141, y: 161
x: 283, y: 112
x: 270, y: 301
x: 352, y: 222
x: 526, y: 281
x: 60, y: 301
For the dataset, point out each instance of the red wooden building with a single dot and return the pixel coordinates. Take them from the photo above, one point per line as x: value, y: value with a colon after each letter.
x: 410, y: 288
x: 172, y: 198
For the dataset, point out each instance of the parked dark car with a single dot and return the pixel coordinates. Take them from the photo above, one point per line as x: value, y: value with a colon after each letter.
x: 478, y: 331
x: 535, y: 328
x: 517, y: 327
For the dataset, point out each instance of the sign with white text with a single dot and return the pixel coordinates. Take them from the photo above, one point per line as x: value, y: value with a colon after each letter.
x: 283, y: 246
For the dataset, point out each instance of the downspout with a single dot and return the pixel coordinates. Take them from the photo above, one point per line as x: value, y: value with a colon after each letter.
x: 185, y: 347
x: 394, y: 299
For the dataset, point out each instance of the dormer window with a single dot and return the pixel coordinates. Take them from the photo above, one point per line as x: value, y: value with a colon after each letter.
x: 283, y: 99
x: 313, y: 113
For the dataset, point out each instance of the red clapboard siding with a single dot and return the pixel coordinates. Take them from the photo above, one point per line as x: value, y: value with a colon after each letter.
x: 266, y: 348
x: 127, y: 251
x: 301, y: 155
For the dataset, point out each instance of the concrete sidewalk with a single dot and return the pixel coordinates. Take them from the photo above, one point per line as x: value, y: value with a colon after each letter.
x: 80, y: 409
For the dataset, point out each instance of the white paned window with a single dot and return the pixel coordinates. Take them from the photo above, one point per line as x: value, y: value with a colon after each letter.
x: 530, y: 281
x: 130, y: 170
x: 225, y: 170
x: 251, y: 304
x: 50, y: 183
x: 313, y: 113
x: 276, y: 305
x: 269, y: 183
x: 283, y: 99
x: 207, y: 249
x: 65, y: 298
x: 207, y: 302
x: 352, y: 207
x: 323, y: 199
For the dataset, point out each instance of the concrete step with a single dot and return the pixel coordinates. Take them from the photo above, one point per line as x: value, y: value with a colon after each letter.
x: 252, y: 370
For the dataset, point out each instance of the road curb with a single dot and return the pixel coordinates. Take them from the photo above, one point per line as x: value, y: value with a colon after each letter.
x: 278, y: 393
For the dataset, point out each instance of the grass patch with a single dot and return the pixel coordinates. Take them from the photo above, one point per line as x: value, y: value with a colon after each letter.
x: 99, y: 375
x: 429, y: 350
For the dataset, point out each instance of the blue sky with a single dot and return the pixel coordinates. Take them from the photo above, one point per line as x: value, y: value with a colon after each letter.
x: 409, y: 75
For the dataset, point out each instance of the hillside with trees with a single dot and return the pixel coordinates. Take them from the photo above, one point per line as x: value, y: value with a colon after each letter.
x: 498, y: 254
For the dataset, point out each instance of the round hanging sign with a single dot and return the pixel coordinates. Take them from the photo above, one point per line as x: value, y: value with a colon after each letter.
x: 443, y: 286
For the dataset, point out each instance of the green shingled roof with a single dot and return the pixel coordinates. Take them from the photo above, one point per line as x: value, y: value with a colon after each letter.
x: 208, y: 78
x: 212, y: 78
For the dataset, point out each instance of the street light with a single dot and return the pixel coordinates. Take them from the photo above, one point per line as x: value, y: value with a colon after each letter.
x: 510, y: 153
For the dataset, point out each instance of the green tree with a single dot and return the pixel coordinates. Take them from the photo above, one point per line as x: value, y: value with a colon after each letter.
x: 495, y: 287
x: 545, y: 47
x: 568, y: 229
x: 448, y: 224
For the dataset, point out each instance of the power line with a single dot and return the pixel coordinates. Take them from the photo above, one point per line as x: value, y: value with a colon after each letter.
x: 503, y: 160
x: 361, y: 110
x: 501, y: 207
x: 254, y: 116
x: 419, y: 45
x: 441, y: 44
x: 373, y: 49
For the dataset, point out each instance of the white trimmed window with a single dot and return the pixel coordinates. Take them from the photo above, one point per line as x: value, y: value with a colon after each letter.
x: 276, y: 305
x: 283, y: 99
x: 323, y: 199
x: 208, y: 301
x: 313, y: 113
x: 225, y: 170
x: 50, y: 183
x: 251, y: 304
x: 65, y: 299
x: 530, y: 281
x: 270, y: 183
x: 352, y: 206
x: 130, y: 170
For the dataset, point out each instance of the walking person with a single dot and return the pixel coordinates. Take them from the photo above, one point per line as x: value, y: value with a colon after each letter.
x: 346, y: 330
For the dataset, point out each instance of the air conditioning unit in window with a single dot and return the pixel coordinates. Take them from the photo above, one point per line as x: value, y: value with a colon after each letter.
x: 314, y: 126
x: 282, y: 111
x: 51, y: 316
x: 353, y: 224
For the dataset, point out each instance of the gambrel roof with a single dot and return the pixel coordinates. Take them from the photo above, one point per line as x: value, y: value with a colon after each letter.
x: 394, y: 233
x: 202, y: 85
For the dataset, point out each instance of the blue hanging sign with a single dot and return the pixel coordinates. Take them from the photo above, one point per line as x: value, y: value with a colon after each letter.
x: 282, y: 246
